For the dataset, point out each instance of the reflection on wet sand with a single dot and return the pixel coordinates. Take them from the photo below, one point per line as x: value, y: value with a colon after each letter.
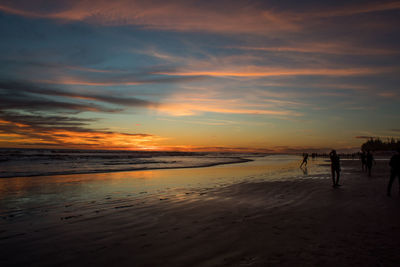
x: 38, y: 191
x: 249, y: 214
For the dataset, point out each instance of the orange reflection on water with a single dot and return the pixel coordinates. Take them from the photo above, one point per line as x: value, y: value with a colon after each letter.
x: 117, y: 187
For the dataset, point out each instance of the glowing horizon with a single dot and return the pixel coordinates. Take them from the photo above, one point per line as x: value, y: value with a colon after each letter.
x: 237, y: 76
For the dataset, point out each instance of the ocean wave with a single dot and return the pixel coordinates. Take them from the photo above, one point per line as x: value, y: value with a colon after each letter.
x: 40, y: 162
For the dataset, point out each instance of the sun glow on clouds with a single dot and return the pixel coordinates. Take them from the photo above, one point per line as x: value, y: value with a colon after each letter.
x: 237, y: 17
x: 192, y: 109
x: 28, y: 136
x: 252, y: 71
x: 323, y: 48
x: 166, y: 15
x: 230, y: 68
x: 183, y: 104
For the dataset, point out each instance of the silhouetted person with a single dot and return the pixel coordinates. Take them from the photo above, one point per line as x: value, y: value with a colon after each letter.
x: 305, y: 159
x: 370, y: 160
x: 335, y: 168
x: 394, y: 171
x: 363, y: 157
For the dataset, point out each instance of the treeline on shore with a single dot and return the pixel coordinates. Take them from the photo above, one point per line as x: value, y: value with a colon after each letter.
x: 376, y: 144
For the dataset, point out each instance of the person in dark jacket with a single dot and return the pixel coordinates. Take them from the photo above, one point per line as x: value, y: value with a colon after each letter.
x: 335, y: 168
x: 370, y: 160
x: 394, y: 171
x: 363, y: 157
x: 305, y: 160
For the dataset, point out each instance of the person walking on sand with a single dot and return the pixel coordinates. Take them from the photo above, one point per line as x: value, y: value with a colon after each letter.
x: 335, y: 168
x: 363, y: 157
x: 370, y: 160
x: 394, y: 171
x: 305, y: 159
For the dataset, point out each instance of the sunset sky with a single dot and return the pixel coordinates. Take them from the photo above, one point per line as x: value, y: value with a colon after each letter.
x: 198, y: 75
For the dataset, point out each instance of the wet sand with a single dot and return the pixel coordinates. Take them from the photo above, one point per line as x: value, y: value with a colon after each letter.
x: 304, y: 222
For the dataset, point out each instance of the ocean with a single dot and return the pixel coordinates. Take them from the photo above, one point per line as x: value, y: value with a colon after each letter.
x: 39, y: 162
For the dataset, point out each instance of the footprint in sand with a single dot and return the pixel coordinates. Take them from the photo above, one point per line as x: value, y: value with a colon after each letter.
x: 247, y: 261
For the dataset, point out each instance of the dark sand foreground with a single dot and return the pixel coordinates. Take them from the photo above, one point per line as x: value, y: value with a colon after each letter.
x: 300, y: 223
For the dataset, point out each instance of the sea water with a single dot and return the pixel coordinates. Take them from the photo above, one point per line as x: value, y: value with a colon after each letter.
x: 57, y: 195
x: 39, y: 162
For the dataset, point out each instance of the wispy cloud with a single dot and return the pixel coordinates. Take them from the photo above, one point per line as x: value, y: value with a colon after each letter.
x: 65, y: 131
x: 216, y: 63
x: 249, y: 65
x: 30, y: 112
x: 19, y: 95
x: 339, y: 48
x: 387, y: 94
x: 115, y: 81
x: 354, y: 9
x: 172, y: 15
x: 256, y: 71
x: 211, y: 122
x: 192, y: 109
x: 219, y: 16
x: 183, y: 103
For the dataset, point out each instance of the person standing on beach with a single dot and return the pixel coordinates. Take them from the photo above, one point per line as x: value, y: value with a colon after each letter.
x: 394, y: 171
x: 363, y: 157
x: 370, y: 160
x: 335, y: 168
x: 305, y: 160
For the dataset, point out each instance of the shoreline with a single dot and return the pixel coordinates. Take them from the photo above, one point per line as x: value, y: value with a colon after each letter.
x: 239, y: 160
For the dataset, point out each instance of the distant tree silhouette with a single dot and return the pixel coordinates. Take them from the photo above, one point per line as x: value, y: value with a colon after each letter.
x: 376, y: 144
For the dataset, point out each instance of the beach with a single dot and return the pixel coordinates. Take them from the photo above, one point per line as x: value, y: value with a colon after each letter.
x: 199, y: 133
x: 127, y: 219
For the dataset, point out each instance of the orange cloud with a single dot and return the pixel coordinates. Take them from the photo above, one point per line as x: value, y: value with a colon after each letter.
x: 255, y: 71
x: 168, y: 15
x: 388, y: 94
x: 5, y: 122
x: 25, y: 135
x: 105, y: 139
x: 248, y: 66
x: 192, y: 109
x: 239, y: 17
x: 357, y: 9
x: 323, y: 48
x: 185, y: 104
